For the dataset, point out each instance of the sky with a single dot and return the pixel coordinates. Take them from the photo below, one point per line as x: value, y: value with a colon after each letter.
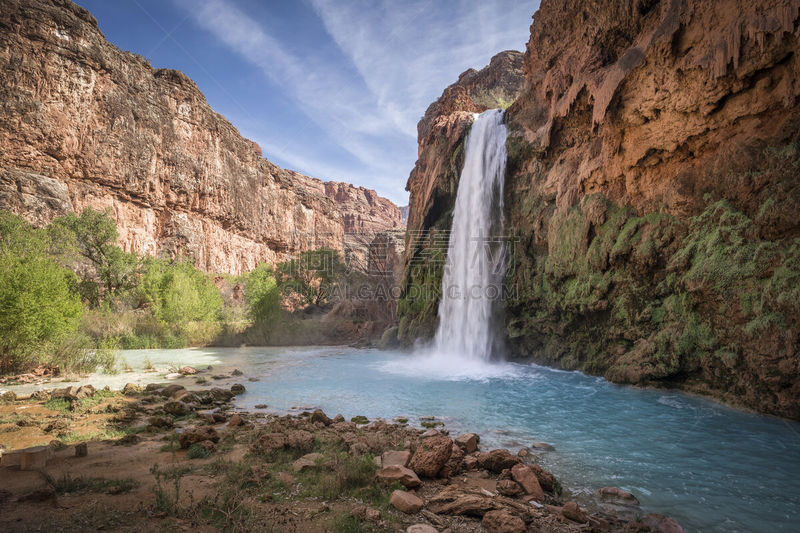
x: 330, y: 88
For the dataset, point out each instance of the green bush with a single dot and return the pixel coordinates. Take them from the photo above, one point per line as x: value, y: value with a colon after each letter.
x: 262, y: 295
x: 38, y: 307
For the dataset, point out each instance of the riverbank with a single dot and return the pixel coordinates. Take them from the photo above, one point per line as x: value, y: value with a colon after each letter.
x: 168, y: 457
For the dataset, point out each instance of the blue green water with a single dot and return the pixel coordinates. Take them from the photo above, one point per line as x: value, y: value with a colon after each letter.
x: 710, y: 467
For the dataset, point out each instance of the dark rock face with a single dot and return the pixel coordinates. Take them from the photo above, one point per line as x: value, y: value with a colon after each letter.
x: 84, y: 124
x: 652, y: 185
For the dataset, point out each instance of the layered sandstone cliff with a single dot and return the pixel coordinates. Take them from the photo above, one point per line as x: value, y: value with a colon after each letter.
x: 84, y: 124
x: 653, y: 189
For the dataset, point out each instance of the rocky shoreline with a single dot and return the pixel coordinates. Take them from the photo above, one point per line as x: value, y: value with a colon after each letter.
x: 170, y: 457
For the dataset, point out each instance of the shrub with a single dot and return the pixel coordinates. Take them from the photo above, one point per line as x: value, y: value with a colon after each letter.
x: 262, y: 295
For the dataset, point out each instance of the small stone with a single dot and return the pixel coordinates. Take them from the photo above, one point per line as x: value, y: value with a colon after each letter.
x: 173, y: 375
x: 405, y: 502
x: 260, y: 406
x: 543, y: 446
x: 360, y: 419
x: 373, y: 515
x: 237, y: 389
x: 338, y: 418
x: 235, y: 421
x: 237, y: 372
x: 430, y: 433
x: 188, y: 371
x: 81, y: 450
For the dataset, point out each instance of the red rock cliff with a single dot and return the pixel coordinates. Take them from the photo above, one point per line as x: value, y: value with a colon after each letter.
x: 85, y: 124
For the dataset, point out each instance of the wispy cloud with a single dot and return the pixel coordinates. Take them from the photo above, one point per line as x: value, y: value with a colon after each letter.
x: 396, y: 57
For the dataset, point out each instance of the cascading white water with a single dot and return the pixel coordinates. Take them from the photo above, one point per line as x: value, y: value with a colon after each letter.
x: 473, y: 276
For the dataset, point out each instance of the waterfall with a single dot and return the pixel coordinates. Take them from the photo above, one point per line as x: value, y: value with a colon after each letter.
x: 476, y: 254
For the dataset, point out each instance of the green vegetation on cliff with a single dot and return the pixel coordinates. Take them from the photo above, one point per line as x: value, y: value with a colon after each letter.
x: 657, y: 298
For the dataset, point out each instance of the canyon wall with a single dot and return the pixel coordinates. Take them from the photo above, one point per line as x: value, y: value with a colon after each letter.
x: 83, y: 124
x: 652, y: 191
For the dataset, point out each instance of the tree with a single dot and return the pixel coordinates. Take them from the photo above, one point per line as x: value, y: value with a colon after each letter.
x: 95, y: 233
x: 179, y: 293
x: 262, y: 295
x: 312, y: 275
x: 38, y: 306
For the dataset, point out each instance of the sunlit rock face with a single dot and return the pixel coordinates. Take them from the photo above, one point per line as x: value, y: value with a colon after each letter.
x: 84, y: 124
x: 652, y: 192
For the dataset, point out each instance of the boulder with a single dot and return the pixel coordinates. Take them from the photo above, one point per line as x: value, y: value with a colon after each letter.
x: 35, y: 458
x: 222, y: 395
x: 170, y: 390
x: 401, y: 474
x: 188, y: 371
x: 405, y: 502
x: 81, y: 450
x: 661, y: 524
x: 237, y: 372
x: 431, y: 456
x: 395, y: 457
x: 307, y: 462
x: 196, y: 435
x: 546, y: 479
x: 542, y: 446
x: 237, y: 389
x: 131, y: 389
x: 502, y: 521
x: 160, y: 422
x: 526, y: 478
x: 455, y: 500
x: 235, y: 421
x: 300, y: 440
x: 177, y: 408
x: 173, y: 375
x: 319, y: 416
x: 421, y: 528
x: 467, y: 442
x: 617, y: 495
x: 497, y: 460
x: 152, y: 387
x: 572, y: 511
x: 268, y: 442
x: 470, y: 463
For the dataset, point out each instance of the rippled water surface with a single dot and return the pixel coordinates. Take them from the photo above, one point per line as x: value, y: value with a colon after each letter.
x: 711, y: 467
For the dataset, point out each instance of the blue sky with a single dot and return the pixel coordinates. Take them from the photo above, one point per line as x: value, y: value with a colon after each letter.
x: 330, y: 88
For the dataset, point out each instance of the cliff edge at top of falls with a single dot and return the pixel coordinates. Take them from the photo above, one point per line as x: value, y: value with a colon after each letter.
x: 84, y: 124
x: 652, y: 189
